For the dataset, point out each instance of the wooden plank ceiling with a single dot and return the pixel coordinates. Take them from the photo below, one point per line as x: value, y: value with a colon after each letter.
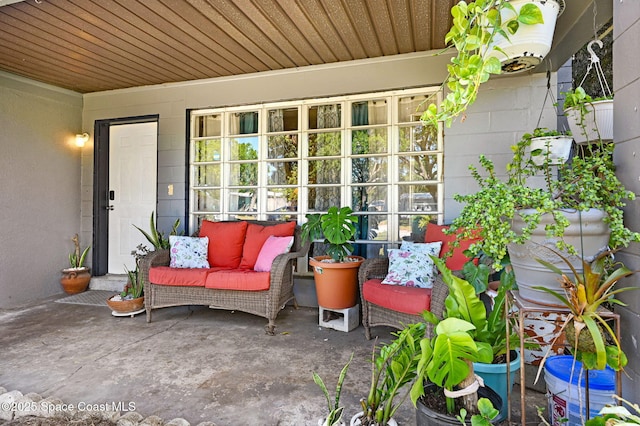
x: 89, y: 46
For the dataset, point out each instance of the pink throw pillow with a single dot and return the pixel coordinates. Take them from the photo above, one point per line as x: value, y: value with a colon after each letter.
x: 270, y: 249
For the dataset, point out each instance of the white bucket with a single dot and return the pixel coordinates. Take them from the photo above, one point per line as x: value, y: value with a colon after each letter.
x: 566, y: 399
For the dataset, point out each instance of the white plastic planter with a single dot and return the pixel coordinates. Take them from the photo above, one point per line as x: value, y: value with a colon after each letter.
x: 587, y: 232
x: 559, y: 148
x: 531, y: 43
x: 597, y: 125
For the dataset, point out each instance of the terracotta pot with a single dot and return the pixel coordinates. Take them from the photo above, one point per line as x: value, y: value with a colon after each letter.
x: 75, y: 280
x: 336, y: 283
x: 126, y: 306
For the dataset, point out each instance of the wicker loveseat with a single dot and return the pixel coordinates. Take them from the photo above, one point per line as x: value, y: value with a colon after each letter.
x: 228, y: 285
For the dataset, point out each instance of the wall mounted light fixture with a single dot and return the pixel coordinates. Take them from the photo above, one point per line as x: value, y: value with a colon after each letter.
x: 81, y: 139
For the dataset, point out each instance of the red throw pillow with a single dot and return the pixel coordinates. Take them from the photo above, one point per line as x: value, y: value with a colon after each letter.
x: 256, y: 237
x: 457, y: 259
x: 225, y: 242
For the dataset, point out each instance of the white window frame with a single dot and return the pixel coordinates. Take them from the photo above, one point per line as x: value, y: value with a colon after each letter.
x: 393, y: 154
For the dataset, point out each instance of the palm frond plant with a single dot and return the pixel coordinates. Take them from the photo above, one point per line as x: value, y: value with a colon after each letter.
x: 334, y: 416
x: 585, y: 328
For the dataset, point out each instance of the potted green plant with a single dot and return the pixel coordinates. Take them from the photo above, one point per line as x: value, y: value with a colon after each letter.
x: 393, y: 368
x: 579, y: 213
x: 155, y: 237
x: 76, y: 278
x: 336, y: 274
x: 334, y: 416
x: 483, y: 35
x: 585, y: 329
x: 446, y: 367
x: 549, y: 146
x: 131, y: 299
x: 487, y: 330
x: 590, y: 119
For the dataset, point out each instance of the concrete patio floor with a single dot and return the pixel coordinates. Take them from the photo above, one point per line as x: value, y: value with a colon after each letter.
x: 194, y: 363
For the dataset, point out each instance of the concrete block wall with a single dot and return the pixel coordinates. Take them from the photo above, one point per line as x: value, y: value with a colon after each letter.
x: 626, y: 86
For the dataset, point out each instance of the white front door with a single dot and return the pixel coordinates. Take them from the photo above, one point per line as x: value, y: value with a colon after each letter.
x: 132, y: 189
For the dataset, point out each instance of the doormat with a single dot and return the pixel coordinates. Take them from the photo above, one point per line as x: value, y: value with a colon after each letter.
x: 89, y: 297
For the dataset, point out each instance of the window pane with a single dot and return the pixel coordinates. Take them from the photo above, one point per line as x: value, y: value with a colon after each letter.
x: 243, y: 174
x: 207, y: 150
x: 369, y: 198
x: 282, y: 146
x: 208, y: 175
x: 243, y: 201
x: 410, y: 108
x: 324, y: 144
x: 372, y: 227
x: 412, y: 227
x: 417, y: 167
x: 369, y: 141
x: 325, y: 116
x: 282, y: 120
x: 418, y: 138
x: 320, y: 199
x: 282, y: 200
x: 207, y: 125
x: 418, y: 198
x: 369, y: 170
x: 243, y: 123
x: 207, y: 200
x: 369, y: 112
x: 244, y: 148
x: 324, y: 171
x: 282, y: 173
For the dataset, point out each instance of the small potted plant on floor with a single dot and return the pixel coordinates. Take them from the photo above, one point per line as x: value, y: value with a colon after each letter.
x: 76, y: 278
x: 334, y: 416
x: 131, y: 299
x: 393, y: 368
x: 467, y: 337
x: 336, y: 274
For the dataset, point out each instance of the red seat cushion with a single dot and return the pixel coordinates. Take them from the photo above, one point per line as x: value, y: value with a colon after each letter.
x: 256, y: 237
x: 409, y: 300
x: 186, y: 277
x: 226, y: 240
x: 457, y: 259
x: 239, y: 279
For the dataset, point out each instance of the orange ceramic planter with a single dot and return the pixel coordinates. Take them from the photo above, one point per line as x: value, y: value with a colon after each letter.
x: 336, y: 283
x: 75, y: 280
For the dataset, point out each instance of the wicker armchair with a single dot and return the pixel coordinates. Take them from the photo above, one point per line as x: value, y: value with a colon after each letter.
x: 266, y: 303
x: 375, y: 315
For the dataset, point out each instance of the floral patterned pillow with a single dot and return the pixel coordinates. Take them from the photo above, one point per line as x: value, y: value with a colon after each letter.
x: 188, y: 252
x: 412, y: 266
